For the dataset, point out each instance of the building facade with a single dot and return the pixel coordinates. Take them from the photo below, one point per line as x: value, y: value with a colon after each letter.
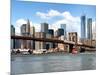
x: 89, y: 28
x: 32, y: 34
x: 50, y: 35
x: 12, y: 30
x: 25, y: 31
x: 12, y: 34
x: 28, y: 28
x: 38, y: 44
x: 44, y: 27
x: 63, y: 26
x: 83, y: 27
x: 60, y: 32
x: 32, y: 31
x: 51, y: 32
x: 94, y: 36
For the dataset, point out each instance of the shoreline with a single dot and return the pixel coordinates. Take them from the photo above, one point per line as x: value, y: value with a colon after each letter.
x: 54, y: 53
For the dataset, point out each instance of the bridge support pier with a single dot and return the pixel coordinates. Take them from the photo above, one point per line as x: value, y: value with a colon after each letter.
x: 70, y: 47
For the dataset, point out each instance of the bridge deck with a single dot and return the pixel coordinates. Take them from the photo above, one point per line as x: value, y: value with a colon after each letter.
x: 50, y: 40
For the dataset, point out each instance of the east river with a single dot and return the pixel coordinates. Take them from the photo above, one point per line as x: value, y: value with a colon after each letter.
x: 59, y: 62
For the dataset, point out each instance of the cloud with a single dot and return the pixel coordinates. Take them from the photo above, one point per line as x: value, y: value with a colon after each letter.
x: 51, y: 13
x: 37, y: 27
x: 72, y: 23
x: 71, y: 26
x: 21, y: 21
x: 54, y: 13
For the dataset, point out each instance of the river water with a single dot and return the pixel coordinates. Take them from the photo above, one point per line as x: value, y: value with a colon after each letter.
x: 29, y: 64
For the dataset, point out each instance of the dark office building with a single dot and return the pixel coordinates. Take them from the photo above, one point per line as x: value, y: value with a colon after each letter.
x: 51, y: 32
x: 17, y: 43
x: 23, y: 29
x: 12, y: 34
x: 60, y: 32
x: 12, y: 30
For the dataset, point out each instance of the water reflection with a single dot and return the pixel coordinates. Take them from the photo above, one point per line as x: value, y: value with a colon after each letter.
x: 52, y: 63
x: 88, y: 62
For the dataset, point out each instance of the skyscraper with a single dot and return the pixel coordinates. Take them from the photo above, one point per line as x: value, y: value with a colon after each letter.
x: 32, y: 33
x: 12, y: 34
x: 28, y: 27
x: 51, y: 31
x: 89, y: 28
x: 25, y: 31
x: 39, y: 44
x: 83, y: 27
x: 63, y: 26
x: 94, y: 35
x: 12, y: 30
x: 50, y: 35
x: 60, y: 32
x: 44, y: 27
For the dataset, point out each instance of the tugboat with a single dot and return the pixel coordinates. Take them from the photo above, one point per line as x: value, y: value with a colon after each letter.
x: 74, y: 50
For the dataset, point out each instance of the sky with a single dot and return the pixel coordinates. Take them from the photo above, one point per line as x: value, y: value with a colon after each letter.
x: 52, y: 13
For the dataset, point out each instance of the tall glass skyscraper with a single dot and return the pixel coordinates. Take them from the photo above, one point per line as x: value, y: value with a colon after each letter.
x: 83, y: 27
x: 63, y: 26
x: 89, y: 28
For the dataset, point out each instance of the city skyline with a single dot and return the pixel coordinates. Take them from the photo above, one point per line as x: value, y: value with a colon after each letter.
x: 52, y: 13
x: 52, y: 37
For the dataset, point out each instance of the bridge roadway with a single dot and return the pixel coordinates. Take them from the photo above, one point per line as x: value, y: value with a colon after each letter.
x: 50, y: 40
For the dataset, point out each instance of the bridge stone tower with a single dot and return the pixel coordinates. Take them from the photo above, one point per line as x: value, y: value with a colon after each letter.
x: 73, y: 38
